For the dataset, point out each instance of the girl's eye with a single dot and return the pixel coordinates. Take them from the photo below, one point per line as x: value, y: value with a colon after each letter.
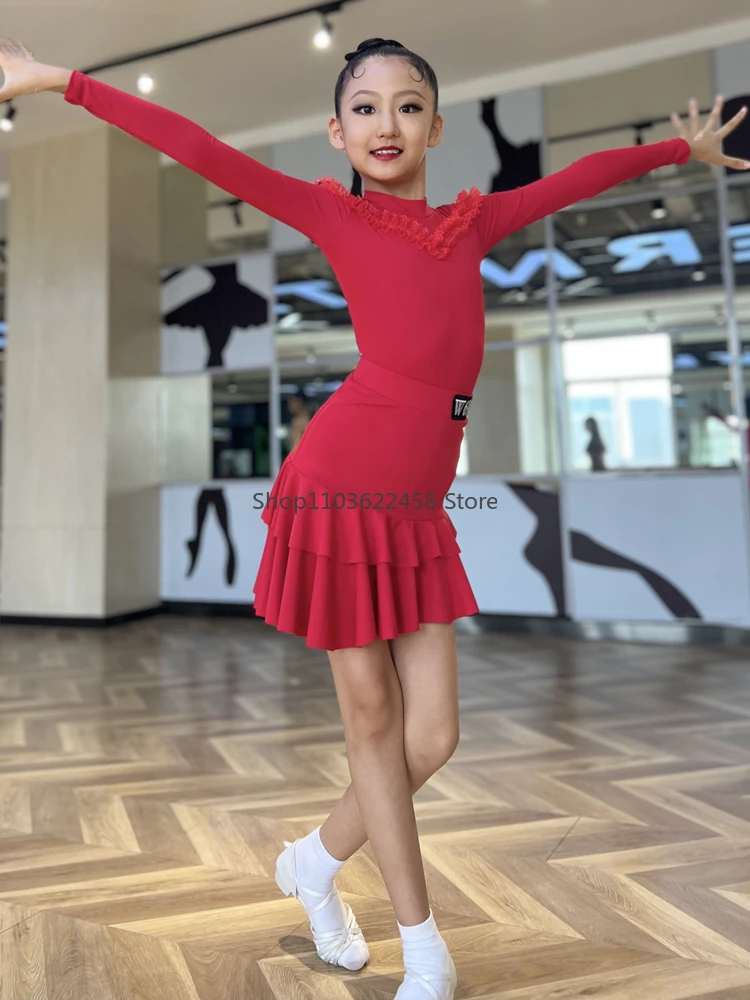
x: 367, y: 108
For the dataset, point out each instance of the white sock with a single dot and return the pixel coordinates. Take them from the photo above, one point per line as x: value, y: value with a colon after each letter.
x: 317, y: 869
x: 425, y: 954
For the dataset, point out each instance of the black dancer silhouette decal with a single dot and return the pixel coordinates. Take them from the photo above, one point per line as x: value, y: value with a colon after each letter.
x: 519, y: 165
x: 544, y: 553
x: 227, y: 305
x: 212, y: 498
x: 738, y: 143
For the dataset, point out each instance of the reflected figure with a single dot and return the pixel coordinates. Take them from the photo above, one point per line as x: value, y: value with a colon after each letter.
x: 212, y: 498
x: 544, y: 553
x: 297, y: 405
x: 596, y: 447
x: 519, y: 165
x: 227, y: 305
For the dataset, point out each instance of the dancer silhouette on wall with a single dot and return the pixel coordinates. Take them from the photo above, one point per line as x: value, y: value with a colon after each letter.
x: 519, y: 165
x: 212, y: 498
x: 737, y: 143
x: 218, y: 311
x: 544, y: 553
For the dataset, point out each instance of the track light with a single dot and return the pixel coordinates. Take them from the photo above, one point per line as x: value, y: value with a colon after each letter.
x: 6, y: 123
x: 324, y: 35
x: 659, y: 209
x: 699, y: 275
x: 145, y: 83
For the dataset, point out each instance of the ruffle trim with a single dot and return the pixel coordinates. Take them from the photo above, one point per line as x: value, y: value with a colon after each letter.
x: 439, y: 242
x: 344, y: 578
x: 354, y: 534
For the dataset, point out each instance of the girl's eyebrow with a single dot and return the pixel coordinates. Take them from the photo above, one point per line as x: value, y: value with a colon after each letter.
x: 401, y: 93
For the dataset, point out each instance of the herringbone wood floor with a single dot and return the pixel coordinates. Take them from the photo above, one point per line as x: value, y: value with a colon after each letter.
x: 590, y: 837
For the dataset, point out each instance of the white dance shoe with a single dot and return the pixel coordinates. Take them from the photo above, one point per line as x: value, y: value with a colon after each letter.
x: 417, y: 987
x: 345, y: 947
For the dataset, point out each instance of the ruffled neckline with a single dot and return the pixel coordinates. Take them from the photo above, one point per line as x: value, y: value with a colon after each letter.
x: 414, y: 207
x: 401, y: 216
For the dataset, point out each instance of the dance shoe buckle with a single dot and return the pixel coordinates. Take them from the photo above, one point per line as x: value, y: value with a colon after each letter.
x: 330, y: 945
x: 460, y: 407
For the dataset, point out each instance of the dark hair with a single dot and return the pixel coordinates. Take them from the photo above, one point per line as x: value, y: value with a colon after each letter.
x: 383, y: 47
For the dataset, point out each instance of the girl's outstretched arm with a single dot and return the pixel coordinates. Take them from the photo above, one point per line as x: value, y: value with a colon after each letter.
x: 507, y: 211
x: 310, y: 208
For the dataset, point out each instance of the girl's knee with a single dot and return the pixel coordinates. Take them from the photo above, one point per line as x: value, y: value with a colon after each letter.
x: 427, y: 752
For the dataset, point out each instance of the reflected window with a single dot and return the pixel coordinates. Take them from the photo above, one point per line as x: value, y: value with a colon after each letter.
x: 651, y: 401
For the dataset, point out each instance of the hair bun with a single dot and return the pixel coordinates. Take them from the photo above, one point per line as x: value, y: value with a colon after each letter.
x: 371, y: 43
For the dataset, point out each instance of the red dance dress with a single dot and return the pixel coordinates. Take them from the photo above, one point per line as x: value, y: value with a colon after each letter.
x: 359, y: 546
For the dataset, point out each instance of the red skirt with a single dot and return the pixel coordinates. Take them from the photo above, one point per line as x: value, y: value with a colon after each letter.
x: 359, y: 546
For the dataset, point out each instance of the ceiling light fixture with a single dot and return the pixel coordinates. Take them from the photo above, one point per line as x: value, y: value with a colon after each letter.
x: 145, y: 83
x: 323, y: 37
x: 6, y: 123
x: 659, y: 209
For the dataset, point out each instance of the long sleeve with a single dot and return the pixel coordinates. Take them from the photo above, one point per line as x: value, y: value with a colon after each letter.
x: 505, y: 212
x: 309, y: 208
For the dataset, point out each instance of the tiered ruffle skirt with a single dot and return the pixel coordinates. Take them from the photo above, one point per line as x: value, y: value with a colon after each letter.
x: 359, y: 546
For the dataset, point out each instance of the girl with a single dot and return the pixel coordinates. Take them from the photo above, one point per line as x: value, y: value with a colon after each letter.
x: 360, y: 556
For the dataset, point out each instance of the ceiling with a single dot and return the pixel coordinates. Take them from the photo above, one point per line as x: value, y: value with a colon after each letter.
x: 271, y: 76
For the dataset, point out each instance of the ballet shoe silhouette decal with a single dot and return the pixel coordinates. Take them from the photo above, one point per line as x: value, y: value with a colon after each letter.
x: 737, y: 143
x: 227, y: 305
x: 544, y: 548
x: 519, y: 165
x: 212, y: 498
x: 544, y: 553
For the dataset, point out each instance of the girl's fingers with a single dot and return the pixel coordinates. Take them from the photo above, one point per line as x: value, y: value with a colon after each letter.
x: 678, y: 124
x: 694, y: 119
x: 715, y: 116
x: 731, y: 161
x: 732, y: 124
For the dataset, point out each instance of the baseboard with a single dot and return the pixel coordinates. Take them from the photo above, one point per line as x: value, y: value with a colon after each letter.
x: 675, y: 633
x: 51, y: 621
x: 208, y: 609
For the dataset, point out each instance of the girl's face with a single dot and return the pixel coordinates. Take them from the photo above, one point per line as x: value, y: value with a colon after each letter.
x: 387, y: 108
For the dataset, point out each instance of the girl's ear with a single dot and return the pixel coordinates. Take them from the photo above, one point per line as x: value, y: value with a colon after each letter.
x: 335, y: 134
x: 436, y: 132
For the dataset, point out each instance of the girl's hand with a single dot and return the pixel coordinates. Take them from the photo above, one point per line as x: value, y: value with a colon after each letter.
x: 24, y: 75
x: 705, y: 141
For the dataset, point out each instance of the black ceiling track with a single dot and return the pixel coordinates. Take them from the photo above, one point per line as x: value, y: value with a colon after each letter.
x: 190, y: 43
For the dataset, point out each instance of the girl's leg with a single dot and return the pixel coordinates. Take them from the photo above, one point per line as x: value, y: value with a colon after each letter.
x: 399, y: 703
x: 371, y: 703
x: 426, y: 665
